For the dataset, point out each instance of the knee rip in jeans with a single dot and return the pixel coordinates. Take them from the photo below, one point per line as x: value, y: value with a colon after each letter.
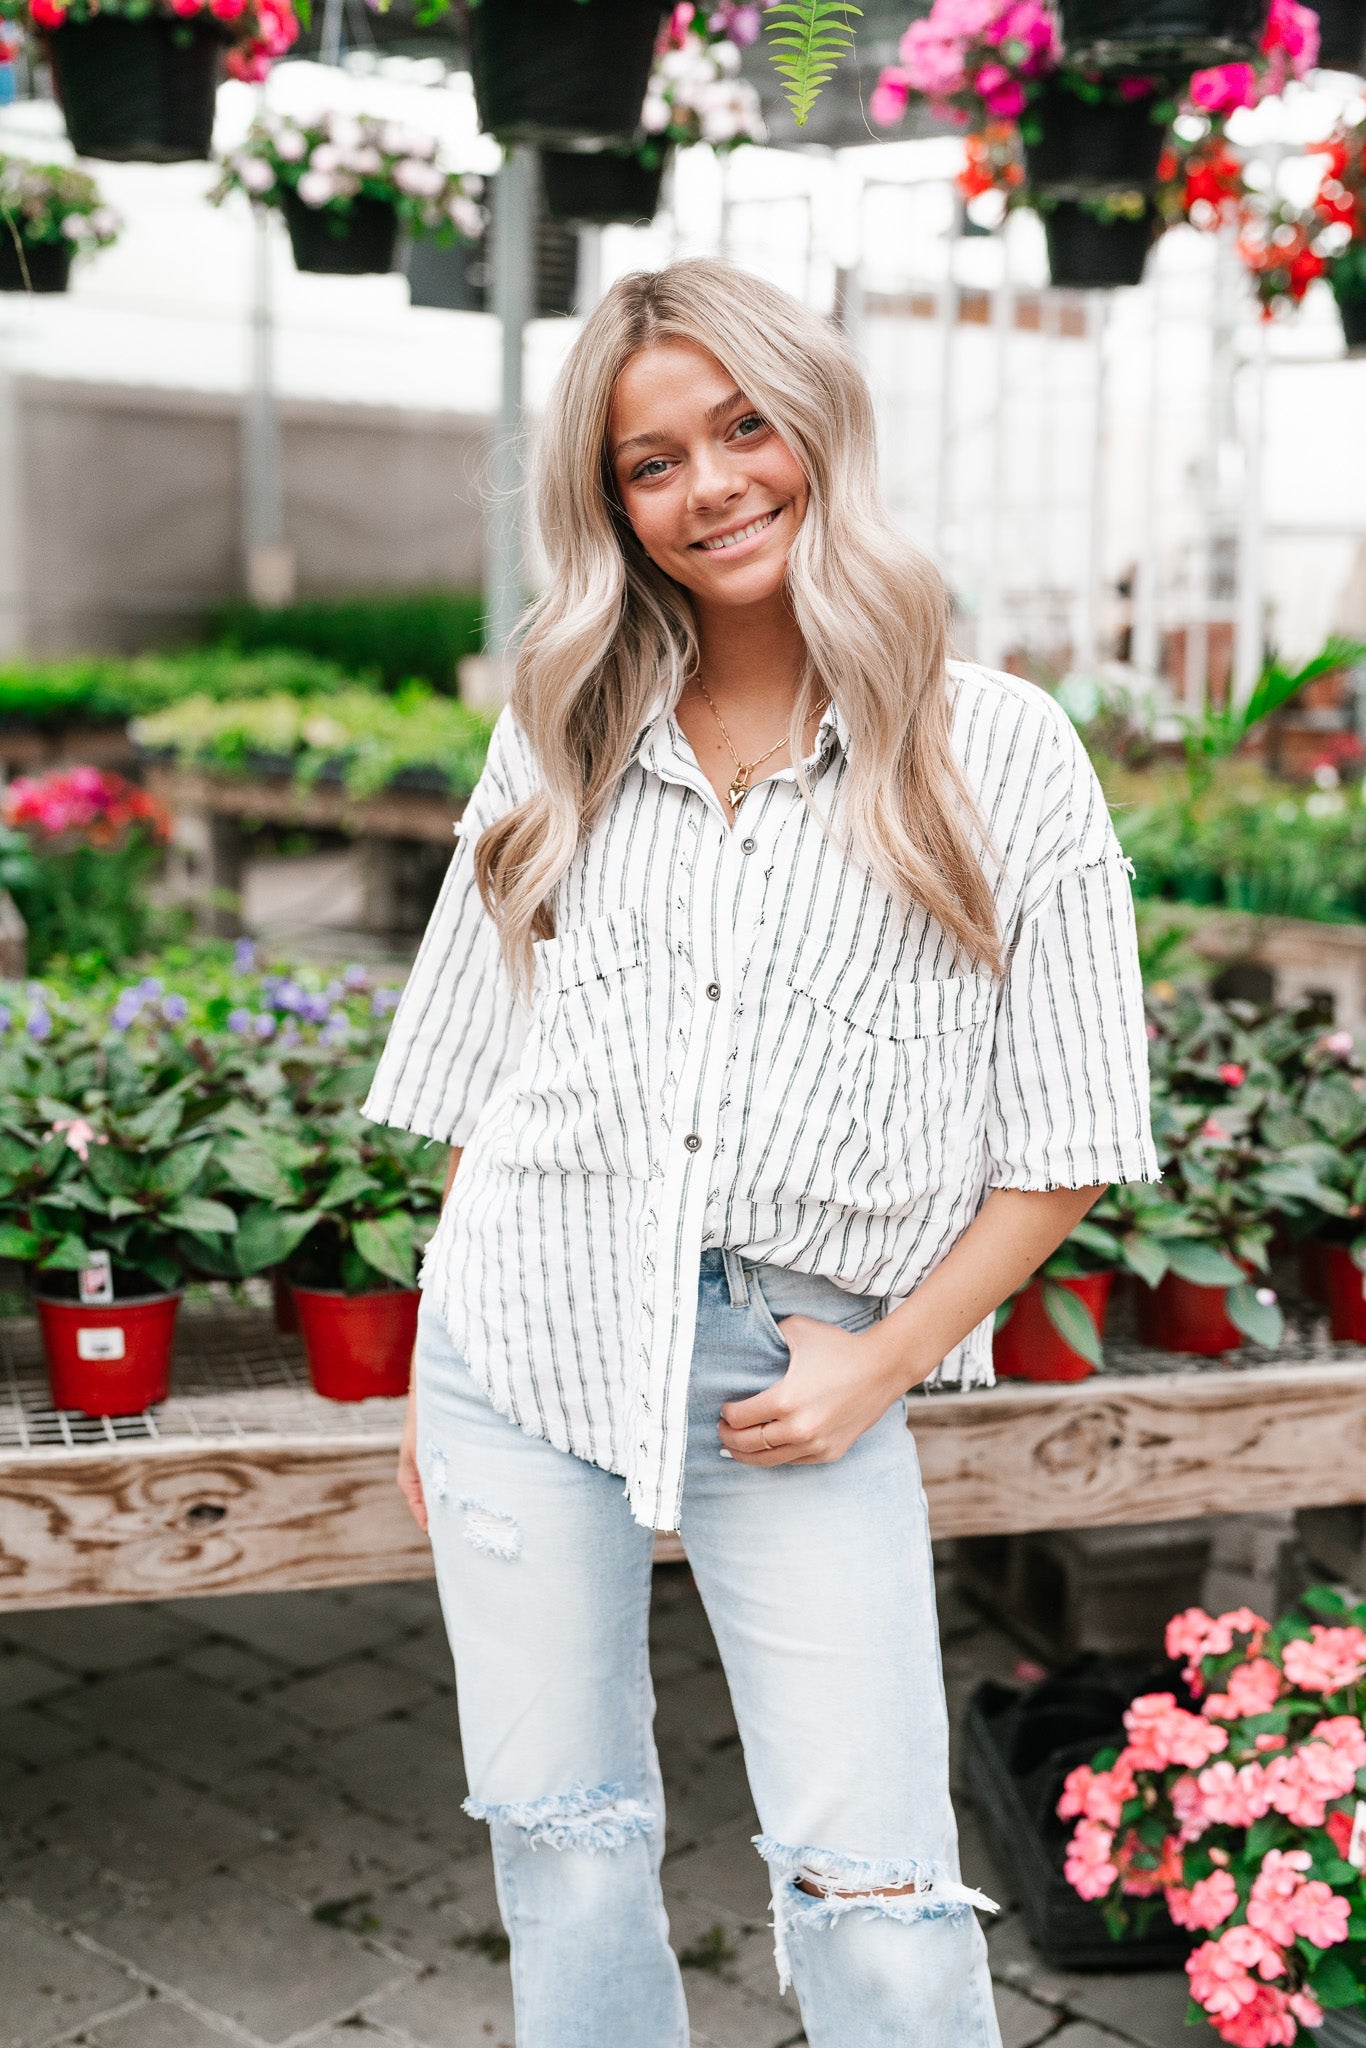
x: 487, y: 1530
x: 588, y: 1817
x: 813, y: 1888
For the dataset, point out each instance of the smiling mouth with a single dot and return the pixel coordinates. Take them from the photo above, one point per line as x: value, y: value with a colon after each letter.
x: 733, y: 539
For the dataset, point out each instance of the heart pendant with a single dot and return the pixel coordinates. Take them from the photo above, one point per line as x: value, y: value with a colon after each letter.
x: 737, y: 793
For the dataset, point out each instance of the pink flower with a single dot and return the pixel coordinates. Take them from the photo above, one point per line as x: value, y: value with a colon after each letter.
x: 1269, y: 1908
x: 1331, y: 1659
x: 1161, y: 1733
x: 1099, y: 1795
x: 1194, y: 1635
x: 1223, y: 88
x: 887, y: 100
x: 80, y: 1135
x: 1031, y: 29
x: 1251, y: 1689
x: 1007, y: 101
x: 1220, y: 1979
x: 1209, y: 1900
x: 227, y: 10
x: 1303, y: 1782
x: 1087, y: 1866
x: 1337, y: 1041
x: 1225, y: 1796
x: 1293, y: 31
x: 1265, y: 2021
x: 47, y: 13
x: 1320, y: 1915
x: 933, y: 62
x: 1306, y: 2008
x: 1130, y: 88
x: 1232, y: 1074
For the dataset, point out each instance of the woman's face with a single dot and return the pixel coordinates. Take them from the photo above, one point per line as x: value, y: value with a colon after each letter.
x: 715, y: 497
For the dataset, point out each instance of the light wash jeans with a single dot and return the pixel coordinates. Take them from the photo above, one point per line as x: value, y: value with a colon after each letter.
x: 817, y: 1581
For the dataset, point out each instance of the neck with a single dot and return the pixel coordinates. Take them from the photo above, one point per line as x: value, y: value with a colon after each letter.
x: 752, y: 654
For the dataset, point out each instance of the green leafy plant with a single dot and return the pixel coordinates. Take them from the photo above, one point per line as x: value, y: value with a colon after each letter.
x: 108, y: 691
x: 807, y: 40
x: 1218, y: 731
x: 424, y: 633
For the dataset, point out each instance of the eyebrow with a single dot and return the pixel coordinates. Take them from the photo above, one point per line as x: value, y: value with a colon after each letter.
x: 714, y: 413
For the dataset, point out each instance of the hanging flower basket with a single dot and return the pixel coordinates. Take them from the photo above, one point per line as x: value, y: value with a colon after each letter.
x: 1342, y: 35
x: 1073, y: 145
x: 555, y: 71
x: 33, y: 266
x: 1097, y: 250
x: 1030, y: 1345
x: 47, y: 213
x: 358, y: 1345
x: 354, y: 242
x: 114, y: 1360
x: 138, y: 91
x: 1171, y: 36
x: 593, y: 188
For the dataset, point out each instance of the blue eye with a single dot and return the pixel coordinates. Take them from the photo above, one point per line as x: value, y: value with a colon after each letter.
x: 655, y: 464
x: 751, y: 419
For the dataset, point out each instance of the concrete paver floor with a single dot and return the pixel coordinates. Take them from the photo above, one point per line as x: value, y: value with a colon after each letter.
x: 238, y: 1820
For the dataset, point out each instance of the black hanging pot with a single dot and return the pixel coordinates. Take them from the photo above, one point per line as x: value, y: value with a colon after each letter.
x: 42, y: 267
x: 1084, y: 147
x: 138, y: 91
x: 355, y: 243
x: 593, y: 188
x: 551, y: 71
x: 1342, y: 35
x: 1091, y: 252
x: 1177, y: 36
x: 452, y: 276
x: 1352, y: 313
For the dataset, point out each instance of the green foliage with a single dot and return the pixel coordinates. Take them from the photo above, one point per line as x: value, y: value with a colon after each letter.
x: 91, y: 903
x: 363, y: 739
x: 1219, y: 730
x: 99, y: 690
x: 418, y: 633
x: 807, y: 40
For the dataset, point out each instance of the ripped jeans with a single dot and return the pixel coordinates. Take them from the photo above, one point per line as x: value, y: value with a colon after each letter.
x: 818, y: 1584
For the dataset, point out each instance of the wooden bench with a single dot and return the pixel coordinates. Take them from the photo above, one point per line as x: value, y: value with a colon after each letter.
x: 245, y: 1480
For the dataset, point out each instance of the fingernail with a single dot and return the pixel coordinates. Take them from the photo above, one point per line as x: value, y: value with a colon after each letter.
x: 726, y: 1454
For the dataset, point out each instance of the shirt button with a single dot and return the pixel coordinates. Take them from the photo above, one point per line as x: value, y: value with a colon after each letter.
x: 748, y: 845
x: 714, y: 991
x: 693, y: 1142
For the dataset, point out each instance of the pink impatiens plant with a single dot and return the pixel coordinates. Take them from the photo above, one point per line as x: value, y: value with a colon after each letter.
x: 1289, y: 49
x: 1243, y: 1817
x: 971, y: 59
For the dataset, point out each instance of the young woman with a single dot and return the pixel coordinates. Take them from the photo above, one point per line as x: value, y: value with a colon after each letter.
x: 782, y: 1011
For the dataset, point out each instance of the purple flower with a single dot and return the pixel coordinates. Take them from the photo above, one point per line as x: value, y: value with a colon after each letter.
x: 126, y: 1010
x: 4, y: 1017
x: 289, y: 996
x: 382, y: 1001
x: 39, y: 1023
x: 244, y: 957
x: 290, y: 1034
x: 334, y: 1031
x: 174, y: 1009
x: 265, y: 1027
x: 315, y: 1009
x: 151, y: 988
x: 356, y: 976
x: 240, y: 1021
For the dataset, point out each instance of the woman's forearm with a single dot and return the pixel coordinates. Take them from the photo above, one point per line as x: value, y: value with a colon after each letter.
x: 456, y: 1151
x: 1012, y: 1234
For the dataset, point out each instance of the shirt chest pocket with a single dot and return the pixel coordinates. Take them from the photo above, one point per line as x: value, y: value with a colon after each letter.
x: 579, y: 1101
x: 885, y: 1073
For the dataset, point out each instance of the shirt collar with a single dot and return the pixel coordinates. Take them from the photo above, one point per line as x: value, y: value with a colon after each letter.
x: 656, y: 736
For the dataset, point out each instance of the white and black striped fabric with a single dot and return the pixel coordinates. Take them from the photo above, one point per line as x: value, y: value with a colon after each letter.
x: 739, y: 1039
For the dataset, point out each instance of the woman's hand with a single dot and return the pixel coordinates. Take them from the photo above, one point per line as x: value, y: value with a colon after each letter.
x: 837, y: 1384
x: 409, y: 1478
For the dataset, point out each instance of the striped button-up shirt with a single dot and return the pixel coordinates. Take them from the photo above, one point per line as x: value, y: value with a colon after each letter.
x: 739, y: 1038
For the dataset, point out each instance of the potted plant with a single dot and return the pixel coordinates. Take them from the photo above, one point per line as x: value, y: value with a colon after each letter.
x: 1287, y: 47
x: 106, y: 1163
x: 1101, y: 243
x: 1051, y: 1328
x: 346, y: 1206
x: 1214, y: 1081
x: 48, y: 212
x: 1318, y: 1175
x: 1242, y: 1818
x: 346, y: 183
x: 562, y: 71
x: 1340, y: 207
x: 137, y: 79
x: 1168, y: 36
x: 95, y: 840
x: 695, y: 95
x: 1277, y: 246
x: 1201, y: 180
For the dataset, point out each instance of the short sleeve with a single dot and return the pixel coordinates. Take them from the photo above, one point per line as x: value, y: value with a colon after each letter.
x: 458, y: 1029
x: 1068, y: 1100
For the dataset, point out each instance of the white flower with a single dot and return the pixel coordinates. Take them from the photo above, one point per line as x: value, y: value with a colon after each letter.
x: 726, y: 58
x: 106, y: 222
x: 1267, y: 1296
x: 467, y: 217
x: 417, y: 179
x: 77, y: 227
x: 654, y: 115
x: 674, y: 64
x: 290, y: 146
x: 317, y: 188
x: 719, y: 124
x: 473, y: 184
x: 396, y: 140
x: 346, y: 132
x: 326, y: 157
x: 366, y: 162
x: 255, y: 174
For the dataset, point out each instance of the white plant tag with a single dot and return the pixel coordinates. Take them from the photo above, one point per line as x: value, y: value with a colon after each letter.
x: 97, y: 1283
x: 1356, y: 1848
x: 101, y: 1343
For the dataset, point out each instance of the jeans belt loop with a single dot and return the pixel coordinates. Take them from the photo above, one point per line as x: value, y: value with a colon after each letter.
x: 735, y: 1278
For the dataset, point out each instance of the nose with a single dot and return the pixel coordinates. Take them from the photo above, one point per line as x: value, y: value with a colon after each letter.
x: 714, y: 480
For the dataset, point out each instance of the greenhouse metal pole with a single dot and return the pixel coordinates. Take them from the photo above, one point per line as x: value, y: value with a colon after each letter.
x: 1249, y: 629
x: 12, y: 620
x: 1145, y: 652
x: 1097, y: 306
x: 268, y: 560
x: 513, y: 303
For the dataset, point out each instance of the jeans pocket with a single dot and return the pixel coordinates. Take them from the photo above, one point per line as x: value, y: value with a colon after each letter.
x: 828, y: 1304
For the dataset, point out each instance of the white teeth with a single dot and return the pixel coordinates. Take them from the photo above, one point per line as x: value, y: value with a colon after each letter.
x: 730, y: 540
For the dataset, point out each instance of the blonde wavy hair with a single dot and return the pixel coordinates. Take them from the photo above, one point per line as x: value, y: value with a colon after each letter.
x: 612, y: 628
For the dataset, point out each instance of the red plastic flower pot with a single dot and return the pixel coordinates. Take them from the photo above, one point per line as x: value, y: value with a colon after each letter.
x: 1028, y: 1347
x: 1176, y: 1315
x: 358, y: 1345
x: 1344, y: 1291
x: 109, y: 1361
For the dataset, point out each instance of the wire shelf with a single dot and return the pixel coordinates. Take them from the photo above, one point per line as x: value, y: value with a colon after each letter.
x: 235, y: 1378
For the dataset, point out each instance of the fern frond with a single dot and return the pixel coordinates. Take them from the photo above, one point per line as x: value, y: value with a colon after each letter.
x: 806, y: 40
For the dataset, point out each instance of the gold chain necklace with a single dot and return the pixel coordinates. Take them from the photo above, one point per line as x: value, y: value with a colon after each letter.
x: 740, y: 786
